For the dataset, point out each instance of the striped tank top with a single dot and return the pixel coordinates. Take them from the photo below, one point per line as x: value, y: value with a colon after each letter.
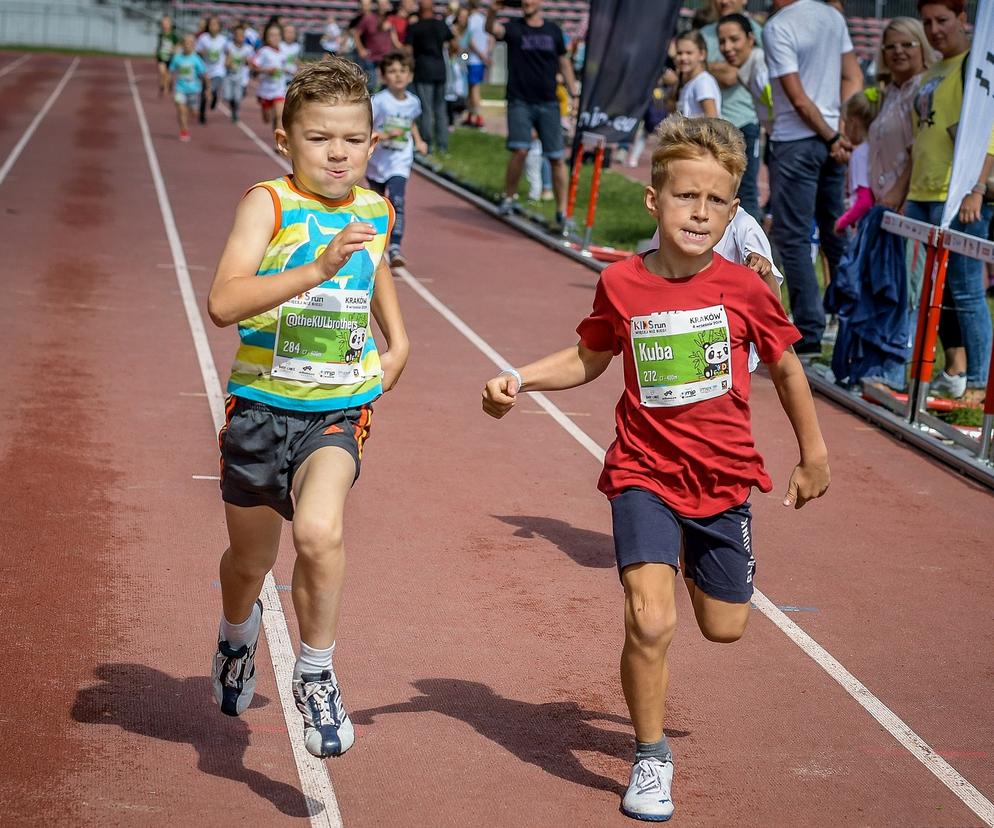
x: 304, y: 226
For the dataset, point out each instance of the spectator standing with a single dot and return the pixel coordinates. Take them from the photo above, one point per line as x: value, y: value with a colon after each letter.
x: 536, y: 53
x: 812, y: 69
x: 699, y: 91
x: 966, y: 332
x: 375, y: 38
x: 904, y: 55
x: 737, y: 104
x: 427, y: 39
x: 479, y: 47
x: 738, y: 47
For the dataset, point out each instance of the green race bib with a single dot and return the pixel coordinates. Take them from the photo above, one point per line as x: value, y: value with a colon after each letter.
x: 682, y: 356
x: 320, y: 336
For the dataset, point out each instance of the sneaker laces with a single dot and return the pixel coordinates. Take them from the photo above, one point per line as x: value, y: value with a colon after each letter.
x: 648, y: 778
x: 321, y: 699
x: 235, y: 662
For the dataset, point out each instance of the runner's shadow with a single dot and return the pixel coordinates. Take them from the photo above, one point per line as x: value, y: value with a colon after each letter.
x: 146, y: 701
x: 584, y: 546
x: 544, y: 735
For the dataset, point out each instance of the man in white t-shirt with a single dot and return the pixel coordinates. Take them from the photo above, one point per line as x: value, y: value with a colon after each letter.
x: 812, y: 70
x: 479, y: 46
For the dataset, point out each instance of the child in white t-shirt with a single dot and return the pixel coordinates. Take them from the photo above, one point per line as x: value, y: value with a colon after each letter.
x: 859, y: 112
x: 699, y: 91
x: 291, y: 51
x: 270, y: 64
x: 211, y: 46
x: 395, y: 112
x: 237, y: 56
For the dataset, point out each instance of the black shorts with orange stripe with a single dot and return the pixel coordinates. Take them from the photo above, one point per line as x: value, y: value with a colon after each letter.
x: 262, y: 447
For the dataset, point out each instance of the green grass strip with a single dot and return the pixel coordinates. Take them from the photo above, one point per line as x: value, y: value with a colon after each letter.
x: 478, y: 160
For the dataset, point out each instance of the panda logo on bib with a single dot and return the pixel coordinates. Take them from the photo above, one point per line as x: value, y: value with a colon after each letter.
x: 715, y: 359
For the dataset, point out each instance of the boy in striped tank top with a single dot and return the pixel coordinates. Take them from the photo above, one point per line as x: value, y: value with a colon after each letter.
x: 301, y: 275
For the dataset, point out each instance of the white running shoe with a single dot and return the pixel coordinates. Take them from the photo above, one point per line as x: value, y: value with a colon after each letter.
x: 328, y: 729
x: 233, y: 674
x: 648, y: 794
x: 950, y: 385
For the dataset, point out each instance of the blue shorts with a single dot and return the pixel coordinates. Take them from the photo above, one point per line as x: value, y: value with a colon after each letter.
x: 543, y: 118
x: 475, y: 73
x: 717, y: 551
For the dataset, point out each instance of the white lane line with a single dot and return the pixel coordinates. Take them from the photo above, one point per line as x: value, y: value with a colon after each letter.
x: 910, y: 740
x: 906, y: 737
x: 20, y: 145
x: 315, y: 784
x: 10, y: 67
x: 205, y: 477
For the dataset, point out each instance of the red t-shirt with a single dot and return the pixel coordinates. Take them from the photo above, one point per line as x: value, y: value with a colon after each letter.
x: 684, y: 433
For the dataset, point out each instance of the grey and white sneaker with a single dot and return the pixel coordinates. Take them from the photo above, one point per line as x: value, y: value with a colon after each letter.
x: 648, y: 794
x: 506, y: 206
x: 233, y: 674
x: 949, y: 385
x: 328, y: 729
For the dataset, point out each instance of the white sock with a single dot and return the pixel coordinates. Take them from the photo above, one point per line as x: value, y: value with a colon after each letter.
x: 313, y: 660
x: 245, y: 633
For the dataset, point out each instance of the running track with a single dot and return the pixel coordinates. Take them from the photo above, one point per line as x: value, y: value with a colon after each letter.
x: 482, y: 621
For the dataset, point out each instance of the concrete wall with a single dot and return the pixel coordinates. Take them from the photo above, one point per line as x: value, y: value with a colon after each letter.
x: 78, y: 24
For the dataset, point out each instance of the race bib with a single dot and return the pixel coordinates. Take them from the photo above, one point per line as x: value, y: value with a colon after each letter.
x: 682, y: 356
x: 396, y: 132
x: 320, y: 336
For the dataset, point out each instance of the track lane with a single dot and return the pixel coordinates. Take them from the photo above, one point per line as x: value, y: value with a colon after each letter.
x: 105, y: 526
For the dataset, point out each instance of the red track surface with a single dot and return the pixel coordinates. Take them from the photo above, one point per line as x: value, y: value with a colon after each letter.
x: 482, y: 622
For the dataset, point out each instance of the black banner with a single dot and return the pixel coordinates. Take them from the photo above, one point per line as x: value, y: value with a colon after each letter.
x: 626, y: 53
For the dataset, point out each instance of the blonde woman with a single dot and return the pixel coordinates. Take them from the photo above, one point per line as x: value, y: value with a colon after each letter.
x: 904, y: 56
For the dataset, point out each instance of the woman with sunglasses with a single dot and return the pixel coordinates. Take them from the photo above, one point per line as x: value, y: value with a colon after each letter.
x: 904, y: 55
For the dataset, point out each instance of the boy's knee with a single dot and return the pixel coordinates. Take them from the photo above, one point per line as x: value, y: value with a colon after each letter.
x: 724, y: 628
x: 650, y: 622
x: 315, y: 537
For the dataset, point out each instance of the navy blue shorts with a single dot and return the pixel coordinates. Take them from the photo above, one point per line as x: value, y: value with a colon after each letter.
x: 543, y: 119
x: 717, y: 551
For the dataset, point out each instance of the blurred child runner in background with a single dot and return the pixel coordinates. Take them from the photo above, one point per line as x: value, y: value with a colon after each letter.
x: 212, y: 47
x: 238, y: 54
x: 187, y: 70
x: 165, y: 48
x: 290, y: 47
x: 269, y: 62
x: 395, y: 112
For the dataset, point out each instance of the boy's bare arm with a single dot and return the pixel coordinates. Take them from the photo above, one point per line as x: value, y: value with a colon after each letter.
x: 567, y: 368
x: 237, y: 293
x: 419, y: 142
x: 386, y: 312
x: 811, y: 475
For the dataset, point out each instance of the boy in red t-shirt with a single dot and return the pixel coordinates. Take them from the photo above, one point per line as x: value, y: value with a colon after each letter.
x: 681, y: 469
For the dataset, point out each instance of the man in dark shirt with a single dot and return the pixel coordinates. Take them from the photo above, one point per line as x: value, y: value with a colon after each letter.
x: 426, y: 39
x: 536, y: 52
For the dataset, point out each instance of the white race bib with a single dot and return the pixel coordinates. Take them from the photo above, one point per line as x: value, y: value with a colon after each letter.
x: 682, y: 356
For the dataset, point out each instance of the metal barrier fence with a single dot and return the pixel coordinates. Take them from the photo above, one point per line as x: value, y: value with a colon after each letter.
x: 120, y: 27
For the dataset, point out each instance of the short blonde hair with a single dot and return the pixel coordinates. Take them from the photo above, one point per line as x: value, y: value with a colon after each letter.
x: 679, y: 139
x: 910, y: 27
x: 333, y: 80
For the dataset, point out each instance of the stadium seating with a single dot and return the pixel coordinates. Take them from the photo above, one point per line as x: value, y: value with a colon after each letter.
x: 311, y: 16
